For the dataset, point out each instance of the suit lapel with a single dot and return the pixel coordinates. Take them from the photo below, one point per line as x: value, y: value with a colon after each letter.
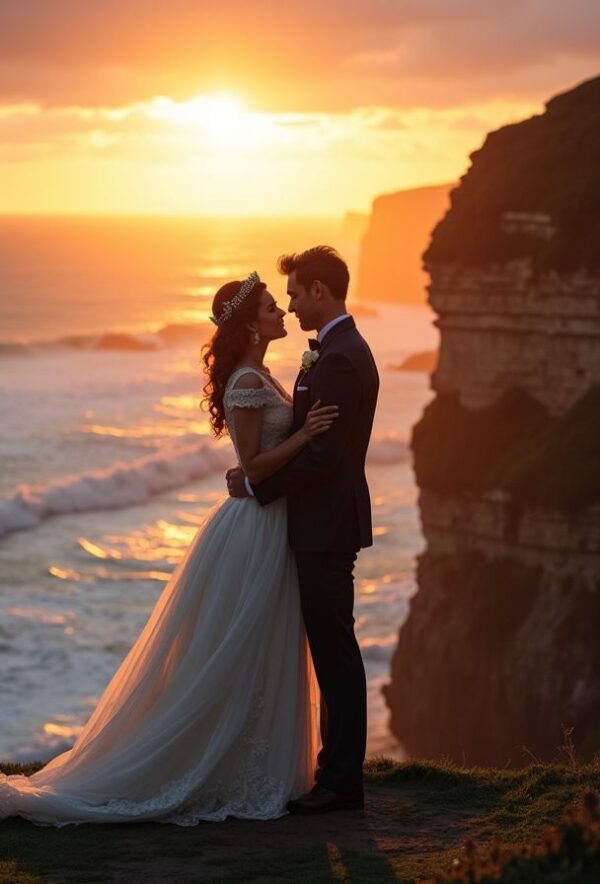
x: 341, y: 327
x: 344, y: 325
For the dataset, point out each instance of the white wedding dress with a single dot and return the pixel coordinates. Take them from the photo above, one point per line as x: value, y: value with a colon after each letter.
x: 214, y: 711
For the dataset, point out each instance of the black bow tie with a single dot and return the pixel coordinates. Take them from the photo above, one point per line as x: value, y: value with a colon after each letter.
x: 314, y: 344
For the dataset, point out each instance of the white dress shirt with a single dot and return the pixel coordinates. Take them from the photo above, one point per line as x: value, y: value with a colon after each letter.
x: 330, y: 325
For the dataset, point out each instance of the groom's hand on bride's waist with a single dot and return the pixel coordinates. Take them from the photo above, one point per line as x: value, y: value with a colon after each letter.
x: 236, y: 484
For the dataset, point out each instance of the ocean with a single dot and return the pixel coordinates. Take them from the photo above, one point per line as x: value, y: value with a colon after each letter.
x: 108, y: 464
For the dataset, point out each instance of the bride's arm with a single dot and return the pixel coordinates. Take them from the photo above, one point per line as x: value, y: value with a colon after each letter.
x: 257, y: 464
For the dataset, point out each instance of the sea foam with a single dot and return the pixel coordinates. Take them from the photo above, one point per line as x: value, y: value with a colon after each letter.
x: 388, y: 448
x: 167, y: 336
x: 129, y: 483
x: 121, y: 485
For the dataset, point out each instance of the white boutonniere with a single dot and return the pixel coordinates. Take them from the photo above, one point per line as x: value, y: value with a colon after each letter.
x: 309, y: 357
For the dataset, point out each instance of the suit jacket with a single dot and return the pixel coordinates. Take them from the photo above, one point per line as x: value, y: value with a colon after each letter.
x: 329, y: 507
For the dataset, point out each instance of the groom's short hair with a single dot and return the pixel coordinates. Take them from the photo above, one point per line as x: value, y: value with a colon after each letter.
x: 321, y: 263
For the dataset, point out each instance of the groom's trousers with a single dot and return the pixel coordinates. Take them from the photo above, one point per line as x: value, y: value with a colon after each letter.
x: 327, y: 596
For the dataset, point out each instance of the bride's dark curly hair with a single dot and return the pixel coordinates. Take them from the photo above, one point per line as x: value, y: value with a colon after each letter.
x: 226, y: 347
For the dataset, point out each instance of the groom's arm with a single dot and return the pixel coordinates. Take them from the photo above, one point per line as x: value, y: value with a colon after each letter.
x: 336, y: 384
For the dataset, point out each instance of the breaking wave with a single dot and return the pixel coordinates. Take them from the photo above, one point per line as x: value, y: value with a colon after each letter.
x: 121, y: 485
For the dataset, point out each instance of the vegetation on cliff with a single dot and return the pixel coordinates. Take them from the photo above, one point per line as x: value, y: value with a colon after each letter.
x: 416, y: 821
x: 547, y: 164
x: 513, y: 445
x: 566, y: 854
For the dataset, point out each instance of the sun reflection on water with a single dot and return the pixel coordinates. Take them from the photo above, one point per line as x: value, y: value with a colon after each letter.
x: 132, y: 575
x: 198, y: 291
x: 99, y: 552
x: 63, y: 573
x: 151, y: 431
x: 217, y: 271
x: 39, y: 615
x: 62, y: 730
x: 196, y: 315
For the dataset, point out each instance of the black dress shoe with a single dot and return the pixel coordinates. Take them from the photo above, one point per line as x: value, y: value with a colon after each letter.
x: 322, y: 800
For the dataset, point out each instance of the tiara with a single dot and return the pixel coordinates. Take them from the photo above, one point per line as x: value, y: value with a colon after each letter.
x: 229, y: 306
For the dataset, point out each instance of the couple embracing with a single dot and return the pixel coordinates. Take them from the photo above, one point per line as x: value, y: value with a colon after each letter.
x: 245, y: 694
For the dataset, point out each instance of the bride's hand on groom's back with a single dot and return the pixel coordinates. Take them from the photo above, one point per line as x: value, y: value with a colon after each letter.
x: 235, y: 482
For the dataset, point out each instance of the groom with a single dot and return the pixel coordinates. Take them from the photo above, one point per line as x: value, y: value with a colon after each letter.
x: 329, y: 514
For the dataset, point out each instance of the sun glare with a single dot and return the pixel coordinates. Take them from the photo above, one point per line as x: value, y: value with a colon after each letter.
x: 221, y: 118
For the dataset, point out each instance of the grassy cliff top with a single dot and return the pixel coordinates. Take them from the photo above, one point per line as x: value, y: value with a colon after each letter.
x: 547, y: 165
x: 416, y: 821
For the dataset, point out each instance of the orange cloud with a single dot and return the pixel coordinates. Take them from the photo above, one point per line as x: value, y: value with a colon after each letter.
x: 213, y: 156
x: 296, y: 57
x: 350, y: 97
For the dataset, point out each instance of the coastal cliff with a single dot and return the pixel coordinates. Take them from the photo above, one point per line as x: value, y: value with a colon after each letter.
x: 389, y: 267
x: 500, y: 650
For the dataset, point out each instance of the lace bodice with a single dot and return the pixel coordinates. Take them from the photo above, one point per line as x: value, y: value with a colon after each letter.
x: 278, y: 411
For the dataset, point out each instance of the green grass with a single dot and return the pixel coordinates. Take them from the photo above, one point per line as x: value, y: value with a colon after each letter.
x: 568, y: 853
x: 418, y: 817
x: 511, y: 805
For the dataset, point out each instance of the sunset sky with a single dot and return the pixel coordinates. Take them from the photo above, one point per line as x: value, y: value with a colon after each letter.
x: 264, y: 108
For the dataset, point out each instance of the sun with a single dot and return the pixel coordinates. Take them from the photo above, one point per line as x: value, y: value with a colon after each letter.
x: 220, y: 117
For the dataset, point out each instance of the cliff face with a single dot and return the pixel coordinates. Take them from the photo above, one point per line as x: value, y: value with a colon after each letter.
x: 390, y: 265
x: 501, y: 646
x: 503, y: 327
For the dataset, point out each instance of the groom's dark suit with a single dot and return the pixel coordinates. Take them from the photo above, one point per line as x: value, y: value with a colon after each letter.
x: 329, y: 517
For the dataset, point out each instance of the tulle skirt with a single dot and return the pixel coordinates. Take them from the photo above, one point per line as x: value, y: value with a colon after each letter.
x: 214, y: 710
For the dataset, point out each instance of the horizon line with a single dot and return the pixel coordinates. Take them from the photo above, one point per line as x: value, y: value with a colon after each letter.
x: 181, y: 216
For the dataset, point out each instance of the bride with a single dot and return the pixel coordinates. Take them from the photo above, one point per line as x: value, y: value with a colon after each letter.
x: 213, y: 712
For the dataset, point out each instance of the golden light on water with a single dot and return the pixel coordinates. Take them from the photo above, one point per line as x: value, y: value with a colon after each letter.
x: 61, y: 730
x: 181, y: 412
x: 38, y: 615
x: 175, y: 535
x: 98, y: 552
x: 211, y: 271
x: 161, y: 576
x: 199, y: 291
x: 69, y: 574
x: 181, y: 406
x: 118, y: 432
x: 380, y: 531
x: 209, y: 497
x: 161, y: 541
x: 63, y: 573
x: 195, y: 315
x: 150, y: 431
